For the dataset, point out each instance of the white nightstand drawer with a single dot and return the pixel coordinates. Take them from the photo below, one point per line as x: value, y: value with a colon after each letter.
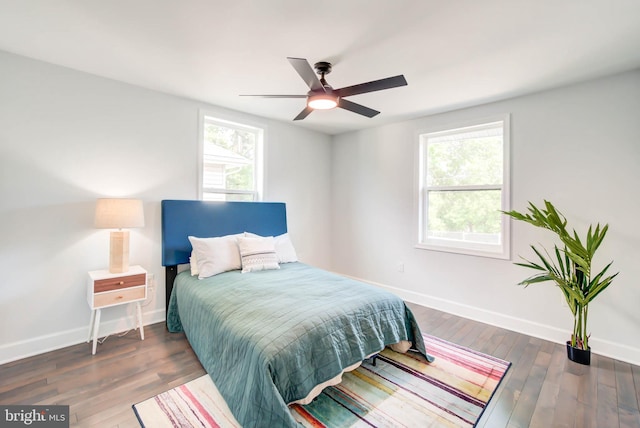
x: 101, y: 300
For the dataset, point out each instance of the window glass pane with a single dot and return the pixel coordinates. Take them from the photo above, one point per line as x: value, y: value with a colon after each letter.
x: 229, y: 158
x: 465, y: 158
x: 468, y: 216
x: 213, y: 196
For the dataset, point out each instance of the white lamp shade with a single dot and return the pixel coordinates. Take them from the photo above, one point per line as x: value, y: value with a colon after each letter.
x: 119, y: 213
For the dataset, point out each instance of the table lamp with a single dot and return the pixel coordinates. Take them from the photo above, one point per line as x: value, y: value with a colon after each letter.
x: 119, y: 214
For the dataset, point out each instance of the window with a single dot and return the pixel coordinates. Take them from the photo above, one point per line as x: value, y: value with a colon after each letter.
x: 464, y: 177
x: 231, y: 160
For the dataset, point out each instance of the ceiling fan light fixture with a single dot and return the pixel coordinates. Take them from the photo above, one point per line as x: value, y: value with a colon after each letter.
x: 322, y: 96
x: 322, y: 101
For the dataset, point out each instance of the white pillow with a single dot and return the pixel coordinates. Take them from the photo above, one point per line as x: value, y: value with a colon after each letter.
x: 258, y: 254
x: 284, y: 247
x: 193, y: 263
x: 216, y: 255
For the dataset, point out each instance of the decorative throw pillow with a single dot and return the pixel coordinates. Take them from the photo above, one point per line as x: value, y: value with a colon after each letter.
x: 216, y: 255
x: 284, y: 247
x: 258, y: 254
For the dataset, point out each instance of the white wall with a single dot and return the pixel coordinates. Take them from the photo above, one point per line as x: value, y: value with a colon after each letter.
x: 577, y: 146
x: 67, y: 138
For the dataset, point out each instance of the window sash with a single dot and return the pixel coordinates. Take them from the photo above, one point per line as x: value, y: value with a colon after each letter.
x: 208, y: 184
x: 500, y: 247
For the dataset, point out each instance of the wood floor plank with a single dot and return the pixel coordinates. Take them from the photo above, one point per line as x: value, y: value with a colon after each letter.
x: 606, y: 372
x: 472, y: 335
x: 542, y: 388
x: 547, y: 398
x: 607, y: 412
x: 448, y: 328
x: 585, y: 416
x: 567, y: 401
x: 588, y: 384
x: 629, y: 413
x: 635, y: 370
x: 461, y: 332
x: 524, y: 408
x: 16, y: 375
x: 485, y: 333
x: 522, y: 356
x: 625, y: 387
x: 29, y: 393
x: 628, y: 418
x: 508, y: 342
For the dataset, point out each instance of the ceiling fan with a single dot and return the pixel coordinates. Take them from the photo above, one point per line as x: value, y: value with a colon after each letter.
x: 322, y: 96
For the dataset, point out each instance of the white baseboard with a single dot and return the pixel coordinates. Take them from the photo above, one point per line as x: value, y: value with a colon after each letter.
x: 50, y: 342
x: 542, y: 331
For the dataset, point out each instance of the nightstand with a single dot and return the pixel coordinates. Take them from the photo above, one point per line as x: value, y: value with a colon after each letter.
x: 107, y: 289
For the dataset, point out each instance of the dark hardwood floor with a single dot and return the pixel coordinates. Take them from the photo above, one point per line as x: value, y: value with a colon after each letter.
x: 542, y: 388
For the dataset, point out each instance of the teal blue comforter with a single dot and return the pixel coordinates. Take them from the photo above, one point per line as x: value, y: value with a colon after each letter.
x: 267, y: 338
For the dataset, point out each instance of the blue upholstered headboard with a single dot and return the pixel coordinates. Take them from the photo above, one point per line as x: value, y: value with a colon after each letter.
x: 181, y: 219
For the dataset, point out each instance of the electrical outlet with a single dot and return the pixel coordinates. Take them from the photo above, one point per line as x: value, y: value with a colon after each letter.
x: 400, y: 267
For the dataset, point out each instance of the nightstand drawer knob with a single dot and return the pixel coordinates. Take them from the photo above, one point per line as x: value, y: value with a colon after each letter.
x: 121, y: 282
x: 119, y: 297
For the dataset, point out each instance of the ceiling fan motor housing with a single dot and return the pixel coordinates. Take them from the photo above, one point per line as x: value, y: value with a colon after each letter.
x: 322, y: 67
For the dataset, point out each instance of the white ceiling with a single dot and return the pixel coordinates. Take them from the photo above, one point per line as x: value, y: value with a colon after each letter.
x: 453, y: 53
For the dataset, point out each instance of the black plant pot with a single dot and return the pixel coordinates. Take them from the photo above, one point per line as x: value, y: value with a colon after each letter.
x: 578, y: 355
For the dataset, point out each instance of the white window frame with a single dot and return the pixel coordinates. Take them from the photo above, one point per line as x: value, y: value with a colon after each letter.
x: 503, y: 249
x: 241, y: 123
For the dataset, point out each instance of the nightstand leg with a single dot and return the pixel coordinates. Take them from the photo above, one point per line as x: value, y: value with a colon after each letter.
x: 93, y: 316
x: 140, y: 326
x: 96, y: 325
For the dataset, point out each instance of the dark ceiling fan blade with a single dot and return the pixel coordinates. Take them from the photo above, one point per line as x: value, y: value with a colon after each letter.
x: 376, y: 85
x: 276, y: 96
x: 304, y: 113
x: 305, y: 71
x: 357, y: 108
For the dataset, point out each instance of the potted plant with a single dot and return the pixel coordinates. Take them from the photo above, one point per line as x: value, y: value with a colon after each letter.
x: 569, y: 267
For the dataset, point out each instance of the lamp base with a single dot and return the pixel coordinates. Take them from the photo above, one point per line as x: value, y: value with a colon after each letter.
x: 119, y: 251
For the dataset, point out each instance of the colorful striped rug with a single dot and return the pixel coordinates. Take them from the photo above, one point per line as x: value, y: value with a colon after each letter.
x: 400, y: 390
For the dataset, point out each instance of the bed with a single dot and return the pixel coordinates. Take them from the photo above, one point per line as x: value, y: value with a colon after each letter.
x: 272, y: 336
